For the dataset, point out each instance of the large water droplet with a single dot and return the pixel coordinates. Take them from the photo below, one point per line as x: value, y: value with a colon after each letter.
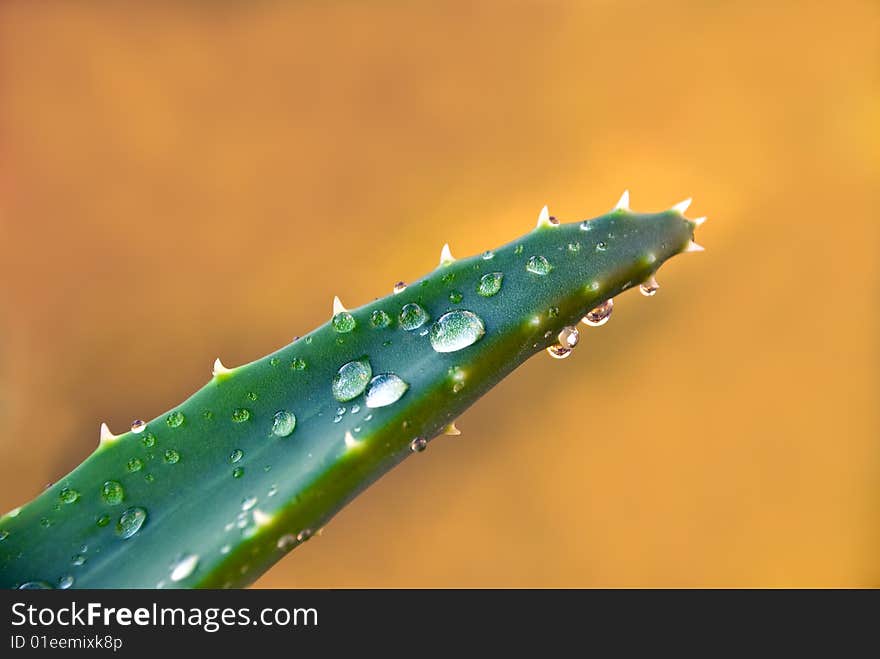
x: 568, y: 337
x: 283, y: 423
x: 538, y: 265
x: 68, y: 495
x: 351, y: 379
x: 490, y: 284
x: 172, y: 457
x: 399, y: 287
x: 138, y: 426
x: 343, y: 322
x: 35, y: 585
x: 456, y: 330
x: 241, y: 414
x: 130, y: 522
x: 184, y: 567
x: 385, y: 389
x: 380, y: 319
x: 558, y: 351
x: 112, y: 492
x: 418, y: 445
x: 601, y: 314
x: 175, y: 419
x: 65, y: 582
x: 412, y: 316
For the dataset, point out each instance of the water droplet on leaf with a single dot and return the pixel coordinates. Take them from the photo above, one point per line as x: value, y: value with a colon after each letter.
x: 385, y: 389
x: 600, y: 315
x: 412, y: 316
x: 538, y: 265
x: 283, y: 423
x: 490, y: 284
x: 456, y: 330
x: 130, y: 522
x: 351, y: 379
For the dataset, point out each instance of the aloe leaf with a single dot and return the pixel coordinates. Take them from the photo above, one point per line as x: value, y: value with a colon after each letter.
x: 223, y: 485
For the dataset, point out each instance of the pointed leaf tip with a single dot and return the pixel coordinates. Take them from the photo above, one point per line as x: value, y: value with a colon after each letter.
x: 694, y: 247
x: 446, y: 256
x: 338, y: 307
x: 623, y: 203
x: 682, y: 206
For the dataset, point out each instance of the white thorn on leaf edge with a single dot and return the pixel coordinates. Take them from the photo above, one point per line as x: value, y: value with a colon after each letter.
x: 682, y: 206
x: 105, y: 435
x: 623, y: 204
x: 338, y: 307
x: 350, y: 441
x: 261, y: 518
x: 694, y: 247
x: 446, y: 256
x: 698, y: 221
x: 544, y: 219
x: 451, y: 429
x: 219, y: 368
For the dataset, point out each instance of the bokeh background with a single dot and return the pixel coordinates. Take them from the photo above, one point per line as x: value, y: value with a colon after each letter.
x: 179, y: 182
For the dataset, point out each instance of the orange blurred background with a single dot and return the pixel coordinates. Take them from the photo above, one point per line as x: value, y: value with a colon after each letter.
x: 182, y: 183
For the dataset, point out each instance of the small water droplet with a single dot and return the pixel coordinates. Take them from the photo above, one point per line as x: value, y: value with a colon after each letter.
x: 518, y: 250
x: 340, y: 411
x: 283, y: 423
x: 601, y: 246
x: 138, y: 426
x: 4, y: 534
x: 455, y: 297
x: 418, y: 445
x: 355, y: 409
x: 552, y: 312
x: 600, y: 315
x: 369, y: 417
x: 149, y: 478
x: 68, y: 495
x: 236, y: 455
x: 225, y: 549
x: 248, y: 503
x: 303, y: 535
x: 399, y: 287
x: 275, y: 361
x: 15, y: 512
x: 172, y: 457
x: 65, y: 582
x: 574, y: 247
x: 488, y: 255
x: 130, y: 522
x: 78, y: 559
x: 298, y: 364
x: 456, y: 330
x: 272, y: 491
x: 568, y: 337
x: 649, y: 288
x: 103, y: 520
x: 586, y: 226
x: 45, y: 522
x: 538, y: 265
x: 35, y: 585
x: 412, y: 316
x: 184, y: 567
x: 385, y: 389
x: 207, y: 415
x: 112, y: 492
x: 286, y: 542
x: 351, y: 379
x: 251, y: 395
x: 175, y: 419
x: 238, y: 472
x: 241, y: 414
x: 343, y: 322
x: 380, y: 319
x: 558, y: 351
x: 135, y: 464
x: 490, y: 284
